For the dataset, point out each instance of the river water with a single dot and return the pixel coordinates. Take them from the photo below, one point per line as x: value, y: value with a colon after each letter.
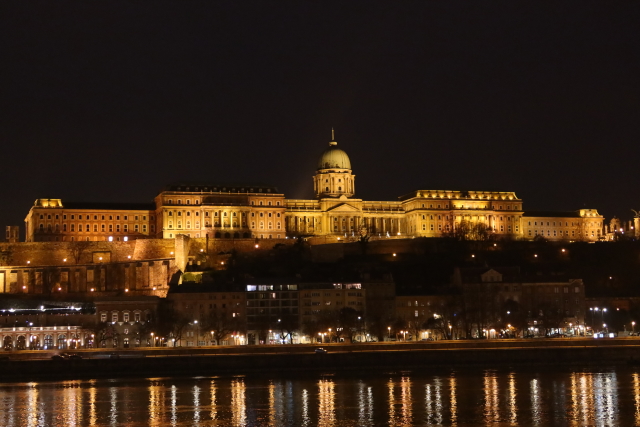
x: 467, y: 397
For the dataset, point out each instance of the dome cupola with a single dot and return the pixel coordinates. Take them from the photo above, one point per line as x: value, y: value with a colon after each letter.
x: 334, y: 177
x: 333, y: 157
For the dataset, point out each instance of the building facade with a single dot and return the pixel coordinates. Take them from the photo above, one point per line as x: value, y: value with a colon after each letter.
x: 257, y: 211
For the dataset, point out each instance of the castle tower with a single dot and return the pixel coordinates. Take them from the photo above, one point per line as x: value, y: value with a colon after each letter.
x: 333, y: 177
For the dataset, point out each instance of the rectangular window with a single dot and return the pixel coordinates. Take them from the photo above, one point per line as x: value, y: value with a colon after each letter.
x: 125, y: 317
x: 114, y: 317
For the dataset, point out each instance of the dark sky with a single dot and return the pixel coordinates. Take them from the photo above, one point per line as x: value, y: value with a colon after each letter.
x: 111, y: 101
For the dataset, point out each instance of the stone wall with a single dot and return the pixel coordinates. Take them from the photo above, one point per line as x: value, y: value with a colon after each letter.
x: 55, y: 253
x: 135, y: 277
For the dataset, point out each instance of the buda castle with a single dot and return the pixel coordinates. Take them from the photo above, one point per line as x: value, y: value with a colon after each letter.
x: 261, y: 212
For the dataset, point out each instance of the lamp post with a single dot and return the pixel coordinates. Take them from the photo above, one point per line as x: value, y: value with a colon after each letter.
x: 153, y: 340
x: 197, y: 333
x: 633, y: 327
x: 389, y: 335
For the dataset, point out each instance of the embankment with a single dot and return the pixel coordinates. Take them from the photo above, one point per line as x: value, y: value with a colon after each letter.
x: 302, y: 358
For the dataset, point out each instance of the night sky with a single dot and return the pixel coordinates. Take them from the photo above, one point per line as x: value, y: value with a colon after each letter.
x: 111, y: 101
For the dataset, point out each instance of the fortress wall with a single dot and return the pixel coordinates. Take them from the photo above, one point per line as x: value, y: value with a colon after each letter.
x: 54, y: 253
x: 153, y: 248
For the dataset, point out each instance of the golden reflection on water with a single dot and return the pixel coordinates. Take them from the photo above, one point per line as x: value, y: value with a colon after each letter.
x: 536, y: 410
x: 491, y: 398
x: 406, y: 401
x: 156, y: 403
x: 578, y: 398
x: 636, y: 396
x: 33, y: 412
x: 92, y: 403
x: 401, y: 409
x: 326, y: 402
x: 276, y: 403
x: 513, y: 407
x: 238, y: 402
x: 212, y: 395
x: 453, y: 401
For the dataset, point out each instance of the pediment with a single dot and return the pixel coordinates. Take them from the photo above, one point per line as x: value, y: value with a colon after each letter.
x: 343, y: 208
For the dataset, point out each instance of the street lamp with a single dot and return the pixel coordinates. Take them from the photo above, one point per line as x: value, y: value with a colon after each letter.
x: 197, y: 333
x: 389, y: 335
x: 153, y: 339
x: 633, y: 327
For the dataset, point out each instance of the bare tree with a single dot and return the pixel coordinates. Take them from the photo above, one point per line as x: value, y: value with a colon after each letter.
x: 221, y: 326
x: 78, y: 249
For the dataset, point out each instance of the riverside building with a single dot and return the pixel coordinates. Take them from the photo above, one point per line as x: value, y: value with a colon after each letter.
x: 257, y: 211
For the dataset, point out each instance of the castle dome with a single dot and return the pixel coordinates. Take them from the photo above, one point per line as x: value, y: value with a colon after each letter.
x: 334, y: 158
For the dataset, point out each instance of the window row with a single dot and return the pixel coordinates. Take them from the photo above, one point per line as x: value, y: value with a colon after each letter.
x: 98, y: 217
x: 88, y: 228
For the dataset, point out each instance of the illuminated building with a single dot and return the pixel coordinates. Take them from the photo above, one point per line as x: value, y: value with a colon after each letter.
x: 51, y: 220
x: 255, y: 211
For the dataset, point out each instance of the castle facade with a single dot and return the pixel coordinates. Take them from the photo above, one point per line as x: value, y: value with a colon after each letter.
x: 261, y: 212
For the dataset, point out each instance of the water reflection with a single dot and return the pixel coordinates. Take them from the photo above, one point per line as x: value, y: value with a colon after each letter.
x: 326, y: 402
x: 238, y: 402
x: 491, y: 400
x: 409, y: 399
x: 513, y: 407
x: 453, y: 402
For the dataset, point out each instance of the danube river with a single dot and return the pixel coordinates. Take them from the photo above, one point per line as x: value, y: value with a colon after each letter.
x: 460, y: 397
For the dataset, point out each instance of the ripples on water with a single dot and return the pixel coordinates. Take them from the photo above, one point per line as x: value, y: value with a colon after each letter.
x: 460, y: 398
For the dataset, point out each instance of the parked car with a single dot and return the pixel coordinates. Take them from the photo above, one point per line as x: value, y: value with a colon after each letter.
x: 66, y: 356
x: 321, y: 351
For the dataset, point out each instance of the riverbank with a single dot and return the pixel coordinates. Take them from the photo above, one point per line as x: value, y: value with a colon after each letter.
x: 158, y: 362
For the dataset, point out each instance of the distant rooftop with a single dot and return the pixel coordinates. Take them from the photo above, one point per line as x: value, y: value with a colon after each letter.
x: 221, y: 188
x: 550, y: 214
x: 58, y: 203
